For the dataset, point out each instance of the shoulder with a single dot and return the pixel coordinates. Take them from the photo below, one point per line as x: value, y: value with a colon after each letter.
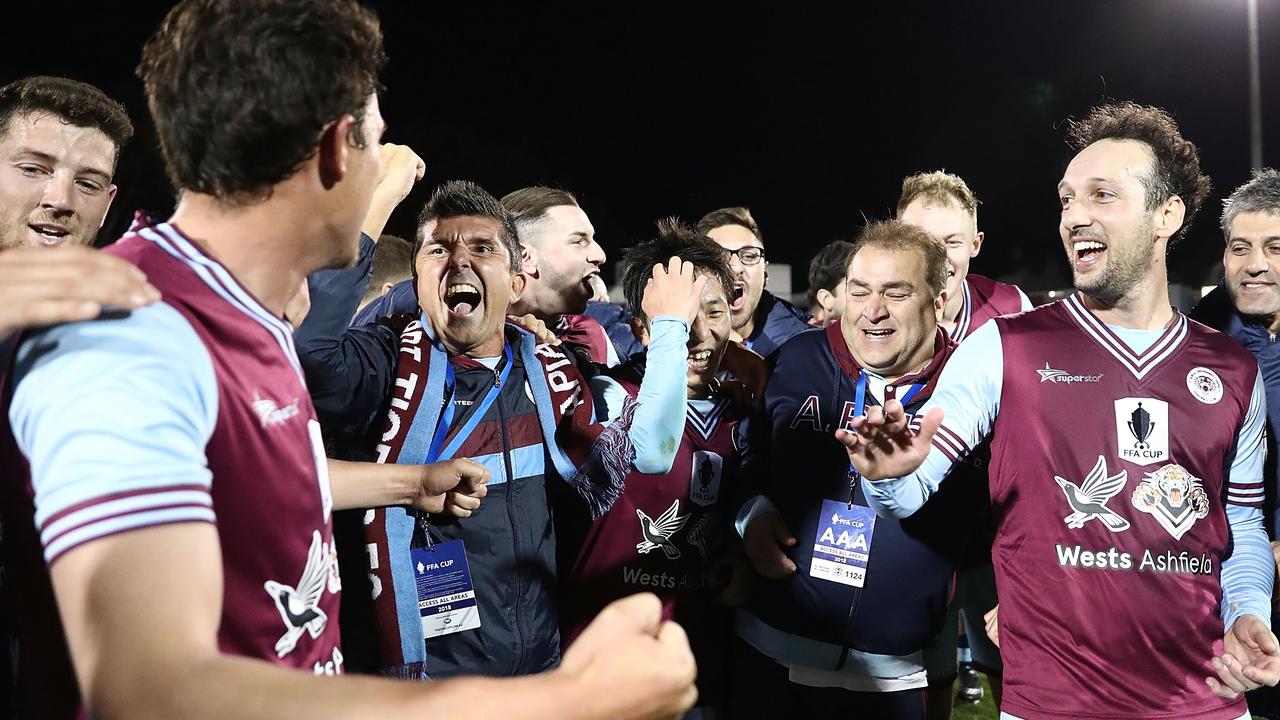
x: 1005, y: 297
x: 1220, y: 342
x: 1214, y: 310
x: 782, y: 313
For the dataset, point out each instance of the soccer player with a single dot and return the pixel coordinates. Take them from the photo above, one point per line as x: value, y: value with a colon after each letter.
x: 177, y: 491
x: 761, y: 321
x: 517, y: 407
x: 846, y: 602
x: 1126, y: 468
x: 942, y: 203
x: 827, y: 291
x: 664, y: 534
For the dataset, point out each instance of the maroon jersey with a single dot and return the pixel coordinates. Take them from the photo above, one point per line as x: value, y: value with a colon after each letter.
x: 1108, y: 482
x: 263, y: 478
x: 984, y: 299
x: 587, y: 337
x: 663, y: 535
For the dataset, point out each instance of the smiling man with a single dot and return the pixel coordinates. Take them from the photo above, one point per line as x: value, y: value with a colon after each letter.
x: 59, y: 143
x: 942, y: 204
x: 456, y: 380
x: 846, y: 604
x: 1126, y: 475
x: 664, y: 534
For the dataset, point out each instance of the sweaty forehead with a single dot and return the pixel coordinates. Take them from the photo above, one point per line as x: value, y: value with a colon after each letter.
x: 1109, y: 160
x: 463, y: 227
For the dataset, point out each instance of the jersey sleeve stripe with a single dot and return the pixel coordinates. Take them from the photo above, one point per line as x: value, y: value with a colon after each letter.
x: 123, y: 506
x: 940, y: 443
x: 953, y: 439
x: 1245, y: 502
x: 110, y: 497
x: 124, y: 523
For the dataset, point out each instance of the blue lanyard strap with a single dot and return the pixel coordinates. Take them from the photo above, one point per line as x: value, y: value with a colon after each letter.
x: 436, y: 453
x: 860, y: 408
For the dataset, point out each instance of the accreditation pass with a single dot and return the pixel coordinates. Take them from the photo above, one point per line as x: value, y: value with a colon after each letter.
x: 842, y: 545
x: 446, y: 595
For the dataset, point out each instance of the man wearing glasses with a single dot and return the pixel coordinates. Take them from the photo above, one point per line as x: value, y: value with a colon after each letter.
x: 761, y: 320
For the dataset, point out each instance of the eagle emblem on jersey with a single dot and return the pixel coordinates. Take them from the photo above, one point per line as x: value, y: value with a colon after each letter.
x: 299, y: 605
x: 657, y: 532
x: 1089, y: 499
x: 1174, y: 497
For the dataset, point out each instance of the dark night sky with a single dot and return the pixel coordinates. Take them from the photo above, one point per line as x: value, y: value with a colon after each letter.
x: 809, y: 114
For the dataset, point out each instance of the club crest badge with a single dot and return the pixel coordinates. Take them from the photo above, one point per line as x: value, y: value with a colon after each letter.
x: 1142, y: 430
x: 1205, y: 385
x: 657, y: 531
x: 704, y: 480
x: 1174, y: 497
x: 1089, y: 499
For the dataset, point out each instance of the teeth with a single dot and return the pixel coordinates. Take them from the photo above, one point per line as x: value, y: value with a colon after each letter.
x: 461, y: 288
x: 700, y: 356
x: 878, y: 333
x: 1081, y: 245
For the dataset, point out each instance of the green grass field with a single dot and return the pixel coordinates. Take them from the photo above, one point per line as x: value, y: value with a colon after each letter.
x: 985, y: 710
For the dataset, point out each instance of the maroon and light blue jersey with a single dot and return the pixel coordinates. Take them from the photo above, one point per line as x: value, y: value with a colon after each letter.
x: 985, y: 299
x: 191, y: 410
x: 1126, y: 483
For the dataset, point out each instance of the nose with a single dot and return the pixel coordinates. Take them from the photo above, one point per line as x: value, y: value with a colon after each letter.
x: 595, y: 254
x: 1257, y: 261
x: 459, y: 256
x: 875, y: 308
x: 58, y: 191
x: 1074, y: 215
x: 698, y: 330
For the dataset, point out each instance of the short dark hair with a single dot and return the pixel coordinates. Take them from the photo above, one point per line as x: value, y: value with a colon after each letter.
x: 673, y: 239
x: 392, y: 262
x: 729, y: 216
x: 529, y: 205
x: 463, y: 198
x: 829, y: 266
x: 1260, y: 195
x: 72, y: 101
x: 898, y: 236
x: 1175, y: 168
x: 241, y: 90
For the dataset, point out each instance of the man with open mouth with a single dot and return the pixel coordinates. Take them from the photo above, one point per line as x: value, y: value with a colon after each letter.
x: 761, y: 320
x: 455, y: 380
x: 845, y: 602
x: 560, y: 259
x: 1081, y: 552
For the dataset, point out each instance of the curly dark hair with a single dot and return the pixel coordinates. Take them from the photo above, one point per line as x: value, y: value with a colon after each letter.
x: 673, y: 239
x: 463, y: 198
x: 78, y: 103
x: 241, y: 90
x: 1176, y: 166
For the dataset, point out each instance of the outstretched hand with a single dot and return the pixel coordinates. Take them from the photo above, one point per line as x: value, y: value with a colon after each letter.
x: 673, y: 291
x: 883, y: 445
x: 46, y: 286
x: 1250, y: 659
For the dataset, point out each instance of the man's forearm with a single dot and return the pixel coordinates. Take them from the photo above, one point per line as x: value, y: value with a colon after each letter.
x: 269, y: 692
x: 369, y: 485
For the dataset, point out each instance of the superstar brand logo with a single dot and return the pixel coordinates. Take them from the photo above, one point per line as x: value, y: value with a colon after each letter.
x: 1053, y: 375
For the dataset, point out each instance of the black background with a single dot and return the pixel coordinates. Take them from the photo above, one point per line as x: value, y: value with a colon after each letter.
x: 808, y: 113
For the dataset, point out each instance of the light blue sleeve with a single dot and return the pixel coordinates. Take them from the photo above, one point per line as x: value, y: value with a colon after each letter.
x: 1026, y: 301
x: 114, y: 417
x: 659, y: 417
x: 969, y: 394
x: 753, y: 508
x: 1248, y: 574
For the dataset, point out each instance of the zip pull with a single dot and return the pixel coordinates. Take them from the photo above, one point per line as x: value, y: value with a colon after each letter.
x: 853, y: 479
x: 497, y: 379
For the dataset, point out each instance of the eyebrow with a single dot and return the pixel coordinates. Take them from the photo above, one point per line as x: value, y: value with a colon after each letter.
x: 891, y: 285
x: 1265, y: 239
x: 50, y: 159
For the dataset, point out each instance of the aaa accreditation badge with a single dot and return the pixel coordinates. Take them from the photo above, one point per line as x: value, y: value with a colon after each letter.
x: 842, y: 545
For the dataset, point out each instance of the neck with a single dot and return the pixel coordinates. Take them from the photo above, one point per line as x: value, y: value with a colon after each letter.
x: 524, y: 306
x: 262, y: 245
x: 951, y: 310
x: 749, y: 326
x: 491, y: 347
x: 1145, y: 306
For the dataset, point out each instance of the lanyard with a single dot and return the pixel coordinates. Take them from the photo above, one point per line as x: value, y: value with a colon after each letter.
x: 436, y: 453
x: 860, y: 407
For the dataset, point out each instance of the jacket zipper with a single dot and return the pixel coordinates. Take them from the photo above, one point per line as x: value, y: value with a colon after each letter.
x: 521, y: 650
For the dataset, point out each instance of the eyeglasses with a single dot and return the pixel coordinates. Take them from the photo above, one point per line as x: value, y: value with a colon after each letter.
x: 749, y: 255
